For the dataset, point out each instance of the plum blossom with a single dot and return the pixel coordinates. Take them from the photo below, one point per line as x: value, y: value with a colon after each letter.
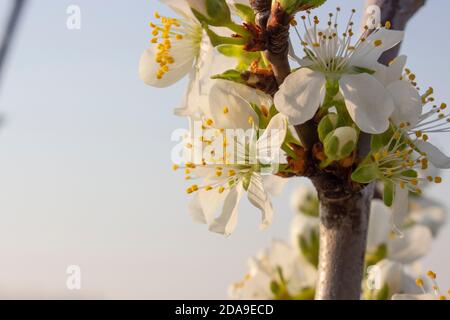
x: 229, y: 168
x: 345, y: 62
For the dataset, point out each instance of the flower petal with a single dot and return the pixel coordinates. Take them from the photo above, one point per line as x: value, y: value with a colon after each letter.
x: 227, y: 221
x: 369, y: 104
x: 379, y: 225
x: 300, y: 95
x: 260, y: 199
x: 230, y: 105
x: 434, y: 155
x: 181, y: 7
x: 210, y: 62
x: 414, y: 245
x: 368, y: 52
x: 270, y: 142
x: 400, y: 207
x: 407, y: 101
x: 388, y: 74
x: 148, y: 68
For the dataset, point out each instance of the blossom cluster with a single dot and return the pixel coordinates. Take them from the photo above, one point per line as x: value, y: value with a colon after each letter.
x: 245, y: 133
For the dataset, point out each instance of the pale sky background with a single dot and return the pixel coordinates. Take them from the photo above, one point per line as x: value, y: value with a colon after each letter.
x: 85, y: 172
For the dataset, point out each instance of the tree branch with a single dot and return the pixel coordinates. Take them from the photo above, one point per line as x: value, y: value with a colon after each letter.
x: 344, y: 224
x: 274, y: 23
x: 10, y: 30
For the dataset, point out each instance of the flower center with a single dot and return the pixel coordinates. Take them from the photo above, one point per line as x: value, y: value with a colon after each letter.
x: 167, y: 32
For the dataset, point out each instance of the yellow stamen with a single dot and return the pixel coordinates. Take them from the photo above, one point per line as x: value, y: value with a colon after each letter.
x: 377, y: 43
x: 419, y: 282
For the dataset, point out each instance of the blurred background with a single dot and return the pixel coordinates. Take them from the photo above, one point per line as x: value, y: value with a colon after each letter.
x: 85, y: 172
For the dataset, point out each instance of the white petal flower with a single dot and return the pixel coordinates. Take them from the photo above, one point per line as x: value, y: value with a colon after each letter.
x: 407, y: 101
x: 413, y: 113
x: 367, y: 101
x: 348, y: 61
x: 231, y: 165
x: 301, y: 95
x: 174, y: 48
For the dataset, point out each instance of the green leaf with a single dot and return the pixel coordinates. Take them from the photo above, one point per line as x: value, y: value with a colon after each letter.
x: 366, y: 173
x: 388, y: 193
x: 230, y: 75
x: 244, y: 58
x: 245, y: 12
x: 217, y: 13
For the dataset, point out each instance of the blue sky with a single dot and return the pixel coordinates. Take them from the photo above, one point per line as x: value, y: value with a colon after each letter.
x: 85, y: 172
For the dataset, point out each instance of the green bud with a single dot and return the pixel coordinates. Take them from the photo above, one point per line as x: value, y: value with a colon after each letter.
x: 329, y: 123
x: 212, y: 12
x: 340, y: 143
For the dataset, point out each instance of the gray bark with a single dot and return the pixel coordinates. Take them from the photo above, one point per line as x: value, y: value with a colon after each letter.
x: 343, y: 233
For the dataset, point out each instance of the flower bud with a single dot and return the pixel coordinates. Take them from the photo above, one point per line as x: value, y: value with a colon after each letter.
x: 329, y: 123
x: 340, y: 143
x: 212, y: 12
